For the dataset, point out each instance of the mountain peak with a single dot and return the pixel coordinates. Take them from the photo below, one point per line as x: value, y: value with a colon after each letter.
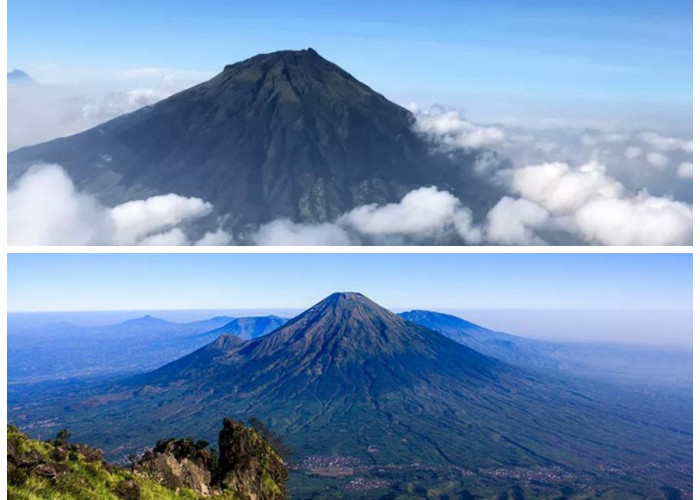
x: 18, y: 76
x: 146, y: 320
x: 297, y: 57
x: 347, y: 298
x: 349, y: 306
x: 301, y: 78
x: 348, y: 326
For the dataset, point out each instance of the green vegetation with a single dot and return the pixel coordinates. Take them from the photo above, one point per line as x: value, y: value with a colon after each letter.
x: 58, y: 470
x: 40, y: 470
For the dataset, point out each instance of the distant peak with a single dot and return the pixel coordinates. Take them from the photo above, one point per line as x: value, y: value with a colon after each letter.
x: 146, y: 319
x: 19, y: 76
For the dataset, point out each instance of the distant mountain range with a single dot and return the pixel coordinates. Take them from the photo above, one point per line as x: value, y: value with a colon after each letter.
x: 65, y: 350
x: 280, y: 135
x: 631, y: 364
x: 247, y: 328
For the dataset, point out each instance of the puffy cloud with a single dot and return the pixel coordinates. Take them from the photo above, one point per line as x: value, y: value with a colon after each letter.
x: 215, y: 238
x: 559, y: 188
x: 135, y: 220
x: 666, y: 143
x: 588, y: 203
x: 286, y: 232
x: 425, y: 211
x: 514, y: 222
x: 685, y: 170
x: 640, y: 220
x: 453, y: 131
x: 44, y: 208
x: 657, y: 160
x: 633, y: 158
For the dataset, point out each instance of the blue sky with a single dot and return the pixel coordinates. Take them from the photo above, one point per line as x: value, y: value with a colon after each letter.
x: 70, y: 282
x: 614, y: 50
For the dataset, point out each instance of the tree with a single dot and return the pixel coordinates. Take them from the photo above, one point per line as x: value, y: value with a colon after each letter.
x: 62, y: 437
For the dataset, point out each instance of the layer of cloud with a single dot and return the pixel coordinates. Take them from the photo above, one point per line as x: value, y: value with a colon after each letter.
x: 565, y: 181
x: 586, y: 202
x: 592, y: 186
x: 583, y: 203
x: 41, y: 112
x: 44, y: 208
x: 639, y: 159
x: 666, y: 143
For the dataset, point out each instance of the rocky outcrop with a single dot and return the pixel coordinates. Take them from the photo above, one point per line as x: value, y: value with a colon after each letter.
x: 248, y: 464
x: 174, y: 469
x: 178, y: 463
x: 24, y: 461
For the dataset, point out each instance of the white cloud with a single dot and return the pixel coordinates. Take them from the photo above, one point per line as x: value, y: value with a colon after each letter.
x: 640, y: 220
x: 624, y: 152
x: 666, y: 143
x: 588, y: 203
x: 514, y: 222
x: 135, y: 220
x: 685, y: 170
x: 424, y: 211
x: 215, y: 238
x: 455, y: 132
x: 559, y: 188
x: 44, y: 208
x: 657, y: 160
x: 286, y: 232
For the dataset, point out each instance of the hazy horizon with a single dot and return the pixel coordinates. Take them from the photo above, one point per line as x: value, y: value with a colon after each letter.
x: 562, y: 325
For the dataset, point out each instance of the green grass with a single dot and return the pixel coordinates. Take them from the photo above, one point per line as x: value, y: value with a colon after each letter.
x: 83, y: 480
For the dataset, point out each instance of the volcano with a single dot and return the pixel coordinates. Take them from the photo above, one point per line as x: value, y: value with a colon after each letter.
x: 351, y: 378
x: 280, y: 135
